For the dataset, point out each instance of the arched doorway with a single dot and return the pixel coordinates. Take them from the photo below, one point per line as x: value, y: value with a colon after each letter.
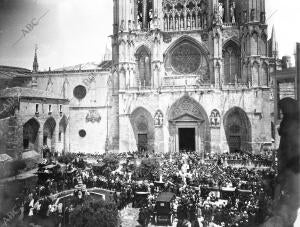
x: 48, y: 133
x: 188, y: 126
x: 143, y: 127
x: 62, y: 133
x: 30, y: 135
x: 237, y: 129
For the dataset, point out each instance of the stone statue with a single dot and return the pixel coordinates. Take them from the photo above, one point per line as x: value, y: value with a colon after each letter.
x: 221, y: 12
x: 204, y: 25
x: 176, y: 23
x: 122, y: 26
x: 263, y: 17
x: 218, y: 15
x: 158, y: 119
x: 232, y: 12
x: 245, y: 16
x: 193, y: 22
x: 171, y: 23
x: 252, y: 15
x: 129, y: 25
x: 181, y: 23
x: 165, y: 24
x: 188, y: 22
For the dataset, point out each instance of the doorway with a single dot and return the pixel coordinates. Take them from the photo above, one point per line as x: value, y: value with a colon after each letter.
x: 142, y: 142
x: 187, y: 141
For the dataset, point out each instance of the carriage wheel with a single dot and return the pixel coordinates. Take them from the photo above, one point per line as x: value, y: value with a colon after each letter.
x: 171, y: 219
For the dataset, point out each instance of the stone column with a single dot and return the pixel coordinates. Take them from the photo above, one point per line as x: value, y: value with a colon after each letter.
x: 40, y: 139
x: 54, y: 138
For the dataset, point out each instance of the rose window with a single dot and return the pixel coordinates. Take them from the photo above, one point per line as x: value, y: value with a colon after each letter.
x: 186, y: 59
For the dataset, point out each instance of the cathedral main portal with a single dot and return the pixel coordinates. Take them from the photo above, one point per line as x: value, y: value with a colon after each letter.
x: 187, y: 140
x: 188, y: 126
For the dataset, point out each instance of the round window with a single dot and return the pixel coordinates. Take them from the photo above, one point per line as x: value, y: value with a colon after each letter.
x: 186, y: 58
x: 82, y: 133
x: 79, y: 92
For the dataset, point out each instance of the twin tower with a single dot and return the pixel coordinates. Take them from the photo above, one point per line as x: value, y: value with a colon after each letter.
x: 187, y: 45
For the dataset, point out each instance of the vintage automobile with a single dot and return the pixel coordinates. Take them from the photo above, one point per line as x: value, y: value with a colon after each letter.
x: 163, y: 210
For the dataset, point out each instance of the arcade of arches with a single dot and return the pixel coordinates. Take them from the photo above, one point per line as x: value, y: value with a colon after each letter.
x: 189, y: 128
x: 32, y: 133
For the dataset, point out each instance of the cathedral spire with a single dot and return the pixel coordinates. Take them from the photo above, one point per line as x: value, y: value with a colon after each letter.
x: 107, y: 54
x: 273, y: 44
x: 35, y: 66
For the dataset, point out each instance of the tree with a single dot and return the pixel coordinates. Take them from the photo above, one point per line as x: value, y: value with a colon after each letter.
x: 66, y: 158
x: 111, y: 163
x: 148, y: 169
x: 95, y: 213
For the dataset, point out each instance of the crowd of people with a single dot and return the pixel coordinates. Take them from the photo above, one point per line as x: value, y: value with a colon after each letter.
x: 207, y: 190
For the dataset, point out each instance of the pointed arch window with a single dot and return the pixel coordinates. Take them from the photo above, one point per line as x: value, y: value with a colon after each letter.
x: 143, y: 59
x: 231, y: 55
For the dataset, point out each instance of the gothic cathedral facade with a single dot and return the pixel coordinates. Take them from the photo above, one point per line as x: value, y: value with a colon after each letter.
x: 190, y: 75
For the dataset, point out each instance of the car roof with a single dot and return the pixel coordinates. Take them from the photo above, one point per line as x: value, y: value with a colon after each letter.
x: 165, y: 197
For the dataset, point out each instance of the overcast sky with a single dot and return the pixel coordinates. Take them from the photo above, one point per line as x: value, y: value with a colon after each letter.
x: 70, y: 32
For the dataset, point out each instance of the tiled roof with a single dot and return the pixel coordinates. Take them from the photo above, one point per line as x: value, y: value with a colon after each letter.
x: 105, y: 64
x: 27, y: 92
x: 85, y: 66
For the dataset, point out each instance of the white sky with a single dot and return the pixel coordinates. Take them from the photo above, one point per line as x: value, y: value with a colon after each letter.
x: 76, y: 31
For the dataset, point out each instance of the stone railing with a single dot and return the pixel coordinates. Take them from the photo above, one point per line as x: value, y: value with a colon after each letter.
x: 229, y: 25
x: 233, y: 86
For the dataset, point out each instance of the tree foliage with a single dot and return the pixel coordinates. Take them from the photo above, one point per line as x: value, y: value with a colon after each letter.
x: 148, y: 169
x: 66, y: 158
x: 111, y: 163
x: 95, y: 213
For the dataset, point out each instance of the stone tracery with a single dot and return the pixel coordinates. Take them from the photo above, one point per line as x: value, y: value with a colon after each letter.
x: 185, y: 15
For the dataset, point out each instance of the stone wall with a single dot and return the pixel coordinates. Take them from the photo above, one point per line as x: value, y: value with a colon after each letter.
x: 255, y: 103
x: 89, y: 113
